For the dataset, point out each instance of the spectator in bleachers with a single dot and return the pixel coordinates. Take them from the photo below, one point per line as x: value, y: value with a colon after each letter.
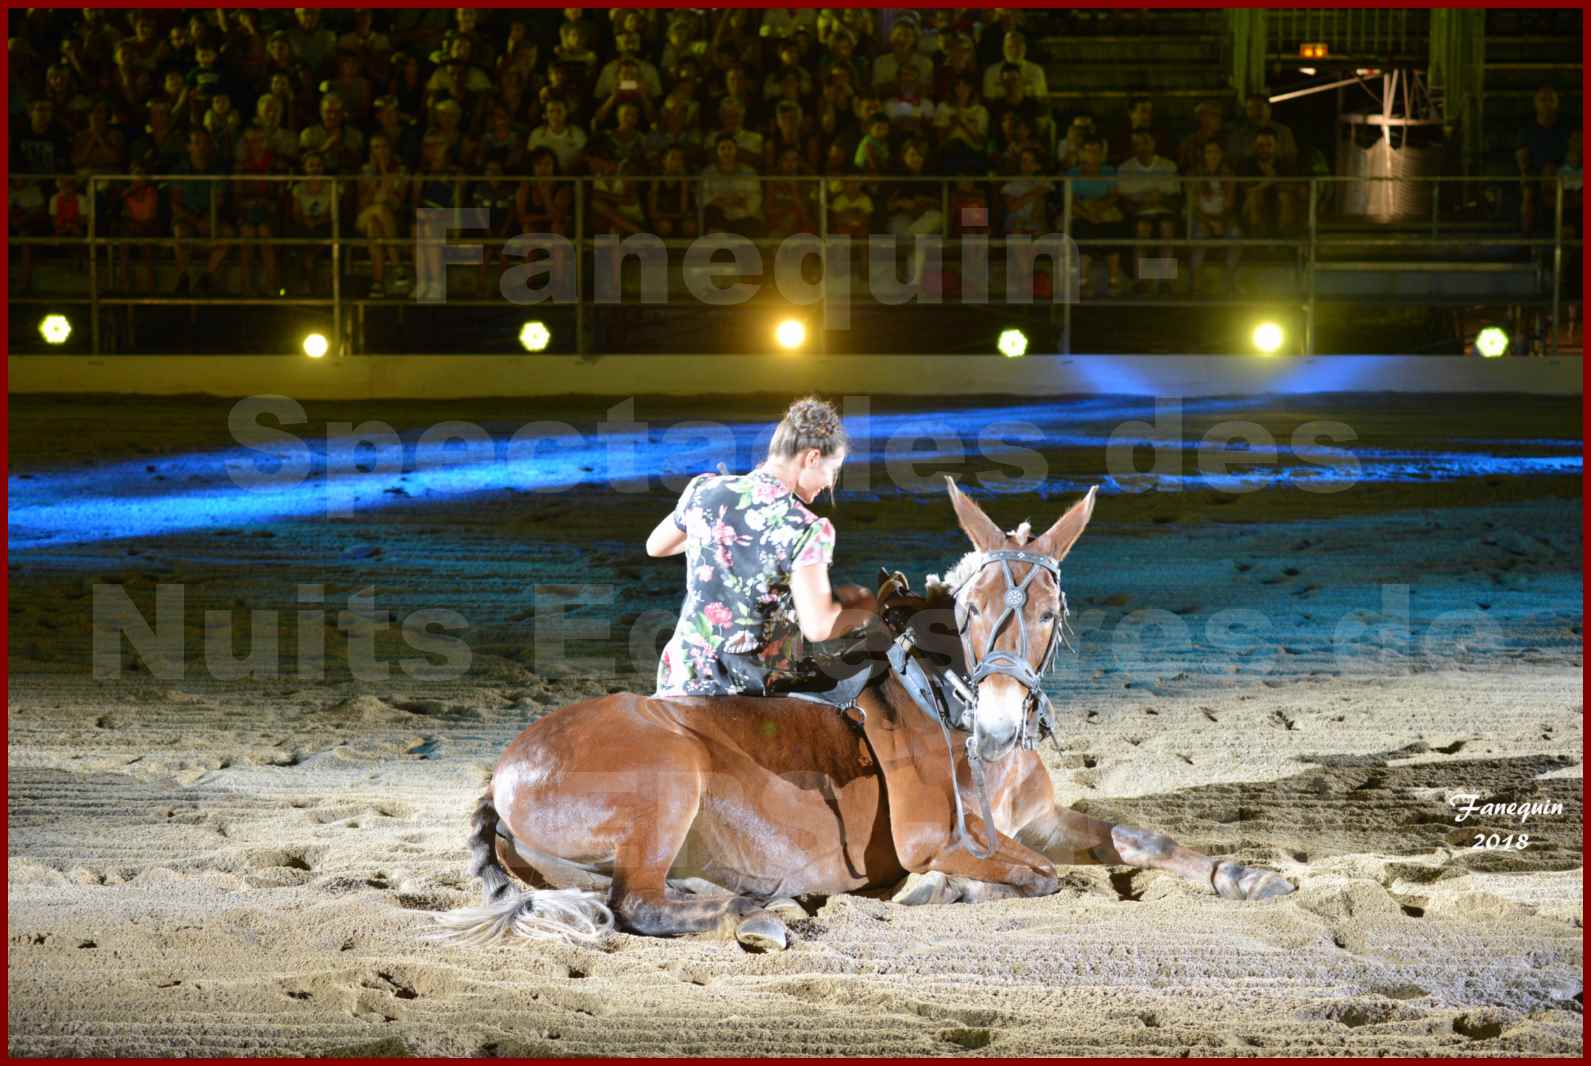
x: 43, y: 145
x: 787, y: 133
x: 69, y: 210
x: 310, y: 212
x: 790, y: 204
x: 177, y: 98
x: 1096, y: 211
x: 29, y: 216
x: 1069, y: 153
x: 731, y: 124
x: 1270, y: 202
x: 851, y: 209
x: 933, y: 38
x: 140, y: 217
x: 959, y: 62
x: 520, y: 52
x: 1214, y: 210
x: 403, y: 135
x: 836, y: 112
x: 842, y: 53
x: 626, y: 142
x: 483, y: 49
x: 383, y: 197
x: 873, y: 154
x: 282, y: 141
x: 225, y: 126
x: 207, y: 71
x: 148, y: 51
x: 1256, y: 117
x: 789, y: 92
x: 782, y: 22
x: 313, y: 45
x: 1542, y: 147
x: 1149, y: 193
x: 1016, y: 136
x: 910, y: 112
x: 969, y: 210
x: 353, y: 87
x: 902, y: 53
x: 627, y: 93
x: 676, y: 128
x: 497, y: 196
x: 1013, y: 99
x: 629, y: 68
x: 72, y: 105
x: 163, y: 143
x: 566, y: 141
x: 562, y: 85
x: 458, y: 77
x: 406, y: 84
x: 340, y: 146
x: 573, y: 49
x: 194, y: 204
x: 684, y: 41
x: 1190, y: 156
x: 180, y: 47
x: 502, y: 140
x: 96, y: 40
x: 435, y: 187
x: 131, y: 86
x: 1026, y: 195
x: 243, y: 51
x: 100, y: 148
x: 1030, y: 74
x: 447, y: 122
x: 372, y: 48
x: 963, y: 125
x: 545, y: 205
x: 731, y: 193
x: 418, y: 29
x: 1140, y: 116
x: 672, y: 197
x: 861, y: 23
x: 735, y: 40
x: 914, y: 206
x: 258, y: 209
x: 992, y: 26
x: 280, y: 61
x: 789, y: 63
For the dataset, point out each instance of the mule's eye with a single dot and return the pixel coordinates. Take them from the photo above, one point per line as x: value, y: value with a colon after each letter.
x: 1047, y: 616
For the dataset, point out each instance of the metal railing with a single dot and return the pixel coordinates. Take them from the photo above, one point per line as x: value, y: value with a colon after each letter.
x: 1366, y: 32
x: 1304, y: 241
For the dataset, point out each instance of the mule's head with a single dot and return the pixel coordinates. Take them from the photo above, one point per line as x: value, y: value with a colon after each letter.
x: 999, y: 601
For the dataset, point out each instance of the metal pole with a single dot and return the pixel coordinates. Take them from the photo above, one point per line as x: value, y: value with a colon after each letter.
x: 1557, y: 264
x: 1066, y: 228
x: 1309, y: 307
x: 93, y: 264
x: 581, y: 344
x: 336, y: 270
x: 823, y: 231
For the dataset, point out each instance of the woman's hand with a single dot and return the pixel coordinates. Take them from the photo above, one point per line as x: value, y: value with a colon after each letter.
x: 850, y: 596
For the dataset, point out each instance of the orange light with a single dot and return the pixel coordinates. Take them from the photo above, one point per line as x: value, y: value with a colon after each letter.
x: 1312, y: 50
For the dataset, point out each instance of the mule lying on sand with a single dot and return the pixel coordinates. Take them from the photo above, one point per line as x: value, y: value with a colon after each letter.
x: 689, y: 814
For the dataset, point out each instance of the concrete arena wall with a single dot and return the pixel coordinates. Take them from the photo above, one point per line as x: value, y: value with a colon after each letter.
x: 465, y: 377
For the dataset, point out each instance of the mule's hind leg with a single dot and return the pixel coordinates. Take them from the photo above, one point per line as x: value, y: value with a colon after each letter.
x: 640, y: 897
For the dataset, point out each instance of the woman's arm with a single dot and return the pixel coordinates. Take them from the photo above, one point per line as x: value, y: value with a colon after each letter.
x: 667, y: 539
x: 826, y: 613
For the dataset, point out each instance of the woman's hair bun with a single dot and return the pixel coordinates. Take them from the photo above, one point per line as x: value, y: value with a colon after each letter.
x: 809, y: 423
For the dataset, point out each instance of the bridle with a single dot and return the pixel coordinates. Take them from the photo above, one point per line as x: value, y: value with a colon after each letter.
x: 1038, y: 717
x: 952, y: 699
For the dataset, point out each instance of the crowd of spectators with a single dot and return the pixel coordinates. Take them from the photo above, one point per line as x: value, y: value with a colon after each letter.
x: 724, y: 119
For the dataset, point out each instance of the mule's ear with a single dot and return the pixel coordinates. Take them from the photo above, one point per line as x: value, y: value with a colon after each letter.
x: 980, y: 529
x: 1057, y: 541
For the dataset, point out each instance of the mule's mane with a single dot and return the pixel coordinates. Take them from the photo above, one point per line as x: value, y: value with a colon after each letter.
x: 938, y: 588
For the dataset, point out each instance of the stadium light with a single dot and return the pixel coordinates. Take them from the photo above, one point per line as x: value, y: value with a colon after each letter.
x: 534, y: 336
x: 1268, y: 337
x: 791, y: 334
x: 316, y: 345
x: 1013, y: 343
x: 1492, y: 342
x: 55, y: 329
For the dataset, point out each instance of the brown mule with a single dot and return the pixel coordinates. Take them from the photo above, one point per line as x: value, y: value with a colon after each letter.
x: 684, y: 815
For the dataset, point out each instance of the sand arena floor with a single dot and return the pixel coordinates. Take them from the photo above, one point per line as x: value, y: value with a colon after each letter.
x: 200, y: 866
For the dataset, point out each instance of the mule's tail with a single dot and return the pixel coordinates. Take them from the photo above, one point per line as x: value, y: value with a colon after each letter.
x: 536, y: 914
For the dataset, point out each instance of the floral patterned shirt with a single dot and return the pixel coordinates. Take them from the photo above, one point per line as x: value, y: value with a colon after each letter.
x: 744, y: 536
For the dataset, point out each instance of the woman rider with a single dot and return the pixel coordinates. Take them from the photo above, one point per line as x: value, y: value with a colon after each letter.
x: 757, y: 568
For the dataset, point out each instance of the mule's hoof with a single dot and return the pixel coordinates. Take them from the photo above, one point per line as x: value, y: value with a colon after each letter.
x: 922, y: 889
x: 761, y: 932
x: 1233, y: 880
x: 787, y: 909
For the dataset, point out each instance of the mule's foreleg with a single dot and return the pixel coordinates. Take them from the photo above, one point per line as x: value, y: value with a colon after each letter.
x: 1072, y: 839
